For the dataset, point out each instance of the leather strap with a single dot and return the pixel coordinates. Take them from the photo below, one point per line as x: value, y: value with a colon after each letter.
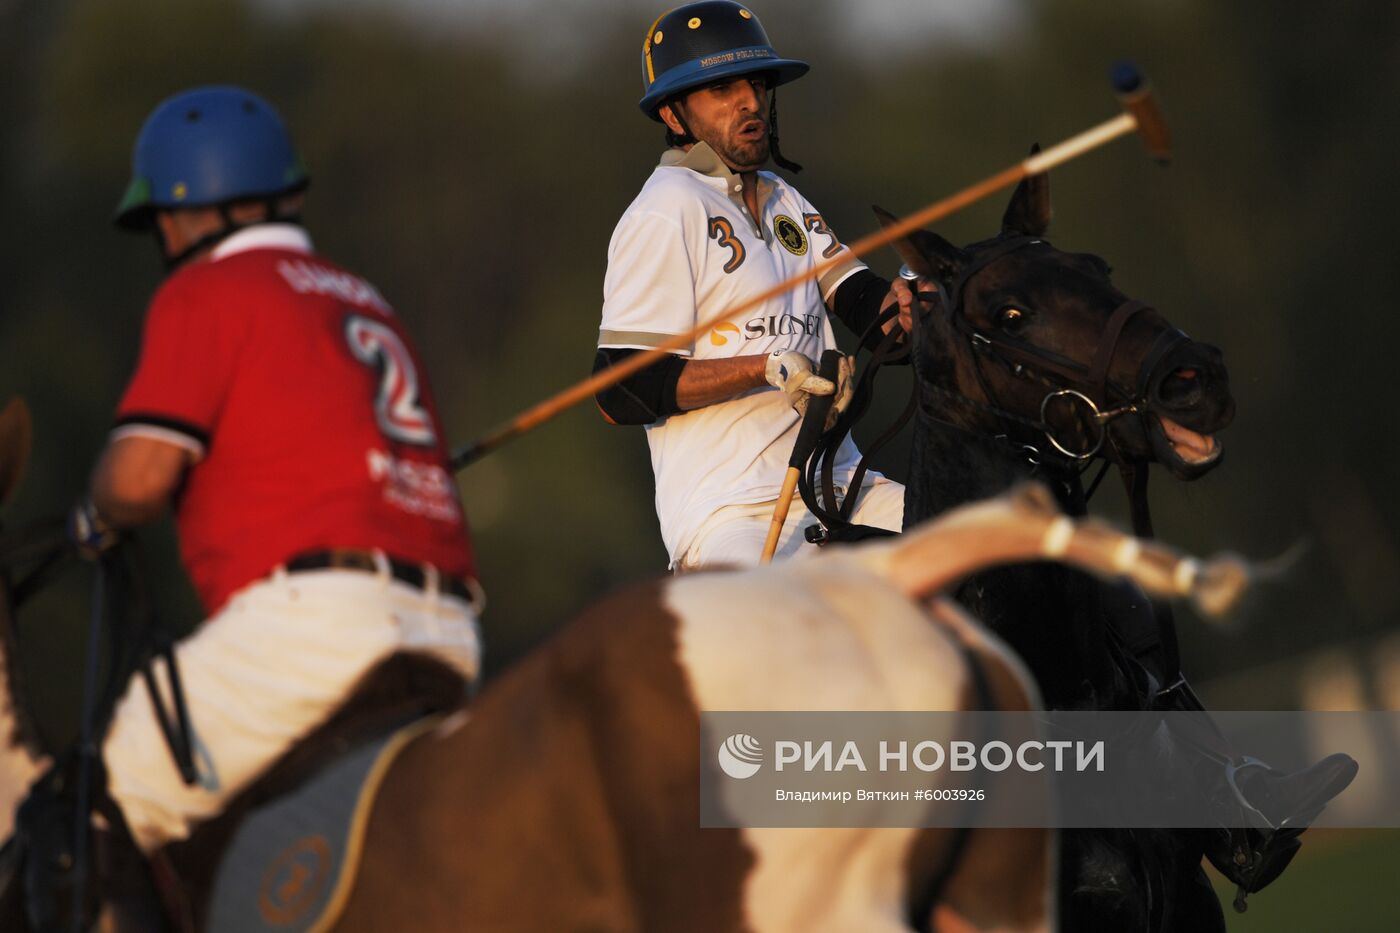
x: 413, y: 574
x: 1108, y: 345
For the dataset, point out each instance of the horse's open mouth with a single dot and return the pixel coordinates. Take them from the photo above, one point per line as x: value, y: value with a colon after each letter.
x: 1184, y: 446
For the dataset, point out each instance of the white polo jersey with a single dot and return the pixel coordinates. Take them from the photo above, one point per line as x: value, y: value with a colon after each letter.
x: 686, y: 250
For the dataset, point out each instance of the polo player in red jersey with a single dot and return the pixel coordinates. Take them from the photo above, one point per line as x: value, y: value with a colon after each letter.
x: 280, y: 409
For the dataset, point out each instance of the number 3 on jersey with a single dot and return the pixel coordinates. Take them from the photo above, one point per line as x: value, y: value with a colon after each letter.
x: 723, y: 231
x: 396, y: 406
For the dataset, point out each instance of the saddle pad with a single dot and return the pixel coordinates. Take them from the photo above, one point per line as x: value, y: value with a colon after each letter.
x: 292, y: 862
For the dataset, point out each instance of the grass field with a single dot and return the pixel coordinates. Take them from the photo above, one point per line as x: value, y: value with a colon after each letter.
x: 1343, y: 881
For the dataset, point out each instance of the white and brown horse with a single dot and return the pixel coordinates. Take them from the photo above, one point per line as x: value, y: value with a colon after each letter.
x: 568, y: 797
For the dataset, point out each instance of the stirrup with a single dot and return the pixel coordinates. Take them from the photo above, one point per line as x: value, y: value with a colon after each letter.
x: 1280, y: 810
x: 1286, y: 801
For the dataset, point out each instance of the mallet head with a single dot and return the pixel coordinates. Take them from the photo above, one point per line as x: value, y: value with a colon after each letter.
x: 1135, y: 94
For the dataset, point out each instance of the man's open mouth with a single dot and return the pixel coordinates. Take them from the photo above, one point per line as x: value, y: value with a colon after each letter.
x: 752, y: 130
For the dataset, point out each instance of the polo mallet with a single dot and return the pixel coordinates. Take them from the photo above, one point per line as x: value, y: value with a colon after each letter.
x: 1140, y: 113
x: 813, y: 423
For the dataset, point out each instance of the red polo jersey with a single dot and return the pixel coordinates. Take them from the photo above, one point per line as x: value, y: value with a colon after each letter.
x: 309, y: 415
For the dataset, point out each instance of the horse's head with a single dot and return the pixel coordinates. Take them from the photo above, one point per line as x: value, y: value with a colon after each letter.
x: 1037, y: 344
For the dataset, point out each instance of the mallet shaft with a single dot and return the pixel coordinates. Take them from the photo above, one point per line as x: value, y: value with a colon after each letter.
x: 780, y: 514
x: 1105, y: 132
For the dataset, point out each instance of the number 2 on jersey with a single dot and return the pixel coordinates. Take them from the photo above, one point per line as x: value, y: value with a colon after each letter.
x: 396, y: 405
x: 721, y: 229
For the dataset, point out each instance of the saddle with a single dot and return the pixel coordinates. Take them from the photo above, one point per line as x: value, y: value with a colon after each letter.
x: 322, y: 790
x: 400, y: 692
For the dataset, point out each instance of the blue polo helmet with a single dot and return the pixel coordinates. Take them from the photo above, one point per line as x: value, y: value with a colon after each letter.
x: 208, y: 146
x: 701, y: 43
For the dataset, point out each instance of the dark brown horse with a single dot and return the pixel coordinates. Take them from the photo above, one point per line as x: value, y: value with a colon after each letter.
x: 1033, y: 364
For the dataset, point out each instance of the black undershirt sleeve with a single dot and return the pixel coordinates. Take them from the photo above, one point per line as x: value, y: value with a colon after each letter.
x: 857, y: 303
x: 644, y: 397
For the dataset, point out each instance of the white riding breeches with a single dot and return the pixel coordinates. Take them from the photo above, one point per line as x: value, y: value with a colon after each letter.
x: 281, y: 656
x: 734, y: 535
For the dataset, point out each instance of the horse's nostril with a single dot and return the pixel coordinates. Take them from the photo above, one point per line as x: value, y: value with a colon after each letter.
x: 1181, y: 386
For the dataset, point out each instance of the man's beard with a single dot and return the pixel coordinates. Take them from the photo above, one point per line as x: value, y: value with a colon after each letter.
x: 744, y: 156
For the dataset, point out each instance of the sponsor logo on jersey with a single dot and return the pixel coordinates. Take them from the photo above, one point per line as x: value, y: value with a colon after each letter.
x: 772, y: 325
x: 782, y: 325
x: 717, y: 335
x: 790, y: 234
x: 415, y: 486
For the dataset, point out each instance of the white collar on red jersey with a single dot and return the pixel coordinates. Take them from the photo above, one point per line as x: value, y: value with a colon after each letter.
x: 263, y: 236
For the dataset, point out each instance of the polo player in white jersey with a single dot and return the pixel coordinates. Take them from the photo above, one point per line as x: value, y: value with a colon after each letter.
x: 708, y: 231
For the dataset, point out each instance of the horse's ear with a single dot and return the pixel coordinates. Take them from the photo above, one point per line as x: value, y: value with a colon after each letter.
x: 16, y: 437
x: 1029, y: 211
x: 924, y: 251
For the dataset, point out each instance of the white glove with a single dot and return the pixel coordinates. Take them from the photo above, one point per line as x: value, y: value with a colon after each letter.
x: 794, y: 374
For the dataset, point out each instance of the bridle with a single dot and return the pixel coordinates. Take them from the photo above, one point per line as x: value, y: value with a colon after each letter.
x: 1064, y: 378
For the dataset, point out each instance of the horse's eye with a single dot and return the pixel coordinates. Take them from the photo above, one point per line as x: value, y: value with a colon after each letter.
x: 1011, y: 319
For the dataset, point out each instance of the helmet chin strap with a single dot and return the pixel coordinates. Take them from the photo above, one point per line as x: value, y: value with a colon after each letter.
x: 685, y: 137
x: 774, y: 150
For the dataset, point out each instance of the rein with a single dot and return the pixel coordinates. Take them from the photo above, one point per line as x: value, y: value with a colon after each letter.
x: 133, y: 637
x: 819, y: 474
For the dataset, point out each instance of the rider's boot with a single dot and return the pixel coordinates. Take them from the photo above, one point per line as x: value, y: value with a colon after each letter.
x: 107, y: 888
x: 1284, y: 806
x: 129, y: 900
x: 1276, y: 806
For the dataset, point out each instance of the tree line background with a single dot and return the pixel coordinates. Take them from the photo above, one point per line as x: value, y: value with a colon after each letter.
x: 475, y: 174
